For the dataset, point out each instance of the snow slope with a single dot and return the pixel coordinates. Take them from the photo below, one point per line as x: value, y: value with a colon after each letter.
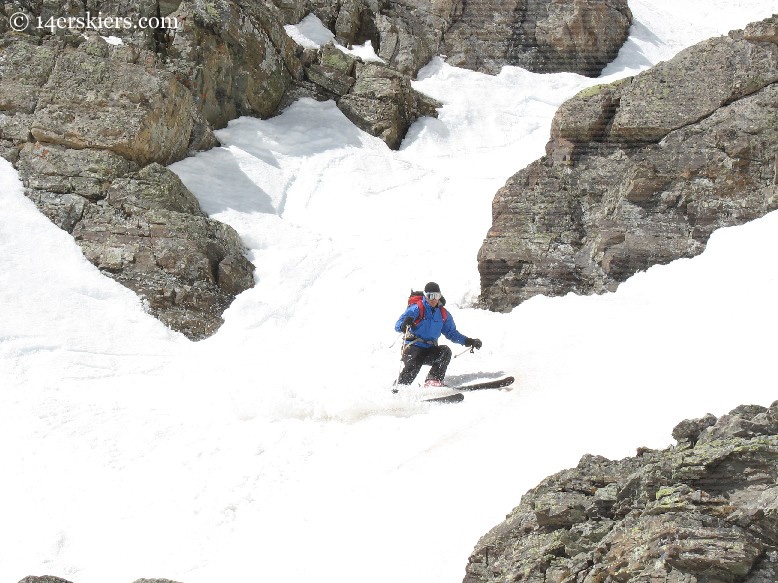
x: 274, y: 450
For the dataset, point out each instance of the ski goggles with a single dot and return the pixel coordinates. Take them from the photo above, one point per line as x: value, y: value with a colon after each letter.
x: 433, y: 295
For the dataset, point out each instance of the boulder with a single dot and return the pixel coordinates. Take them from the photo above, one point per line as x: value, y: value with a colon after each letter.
x: 405, y: 34
x: 92, y: 102
x: 544, y: 36
x: 411, y: 31
x: 235, y: 59
x: 703, y: 512
x: 330, y: 79
x: 638, y: 173
x: 150, y: 235
x: 382, y: 103
x: 334, y: 58
x: 377, y: 98
x: 690, y: 429
x: 57, y: 169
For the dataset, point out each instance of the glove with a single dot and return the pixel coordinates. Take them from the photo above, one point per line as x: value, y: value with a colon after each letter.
x: 407, y: 323
x: 474, y: 343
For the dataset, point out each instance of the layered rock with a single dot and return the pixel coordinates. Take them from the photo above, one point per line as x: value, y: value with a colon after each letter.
x: 89, y: 125
x: 82, y: 118
x: 579, y: 36
x: 383, y: 103
x: 641, y: 172
x: 405, y: 34
x: 704, y: 511
x: 234, y: 57
x: 544, y: 36
x: 376, y: 96
x: 377, y: 99
x: 142, y: 227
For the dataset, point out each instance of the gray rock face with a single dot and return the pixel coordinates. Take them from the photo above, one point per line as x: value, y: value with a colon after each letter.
x: 703, y: 511
x: 235, y: 58
x: 149, y: 113
x: 411, y: 32
x: 144, y: 229
x: 405, y: 34
x: 544, y: 36
x: 375, y: 97
x: 383, y: 103
x: 640, y: 173
x: 89, y: 126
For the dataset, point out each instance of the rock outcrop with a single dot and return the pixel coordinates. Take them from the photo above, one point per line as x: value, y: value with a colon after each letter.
x: 577, y: 35
x: 89, y: 119
x: 405, y: 34
x: 383, y: 103
x: 703, y: 511
x: 90, y: 125
x: 377, y: 98
x: 641, y: 172
x: 580, y: 36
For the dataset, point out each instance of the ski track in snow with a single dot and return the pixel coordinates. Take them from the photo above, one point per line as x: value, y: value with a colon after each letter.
x: 130, y: 452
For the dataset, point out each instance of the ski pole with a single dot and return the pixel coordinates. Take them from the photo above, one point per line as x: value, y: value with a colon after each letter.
x: 405, y: 337
x: 471, y: 350
x: 396, y: 339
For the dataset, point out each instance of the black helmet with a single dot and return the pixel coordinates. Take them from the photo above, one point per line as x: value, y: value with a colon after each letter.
x: 432, y: 292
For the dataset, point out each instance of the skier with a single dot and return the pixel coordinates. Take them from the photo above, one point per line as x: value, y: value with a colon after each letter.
x: 423, y: 322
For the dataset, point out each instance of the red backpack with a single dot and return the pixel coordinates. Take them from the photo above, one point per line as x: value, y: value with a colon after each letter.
x: 417, y: 298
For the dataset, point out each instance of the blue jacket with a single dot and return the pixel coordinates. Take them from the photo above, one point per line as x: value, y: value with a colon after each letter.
x: 431, y: 326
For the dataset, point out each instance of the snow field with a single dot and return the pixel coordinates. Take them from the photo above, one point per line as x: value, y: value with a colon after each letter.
x: 274, y: 450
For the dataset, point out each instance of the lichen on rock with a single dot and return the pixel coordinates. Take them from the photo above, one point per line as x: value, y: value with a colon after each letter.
x: 640, y: 172
x: 705, y: 510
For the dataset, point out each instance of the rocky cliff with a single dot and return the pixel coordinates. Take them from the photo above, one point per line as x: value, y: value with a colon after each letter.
x: 90, y: 125
x: 641, y: 172
x: 94, y: 105
x: 90, y: 121
x: 580, y: 36
x: 703, y: 511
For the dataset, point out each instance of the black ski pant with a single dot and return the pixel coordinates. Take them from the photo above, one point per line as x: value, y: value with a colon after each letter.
x: 415, y: 357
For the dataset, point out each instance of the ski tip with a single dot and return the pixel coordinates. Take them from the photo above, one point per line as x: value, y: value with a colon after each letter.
x: 455, y: 398
x: 493, y: 384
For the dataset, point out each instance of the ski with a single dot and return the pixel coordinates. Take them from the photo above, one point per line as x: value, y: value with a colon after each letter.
x: 495, y: 384
x: 457, y: 397
x: 453, y: 398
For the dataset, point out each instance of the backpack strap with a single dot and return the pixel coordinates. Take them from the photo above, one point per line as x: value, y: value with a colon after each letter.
x: 417, y: 298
